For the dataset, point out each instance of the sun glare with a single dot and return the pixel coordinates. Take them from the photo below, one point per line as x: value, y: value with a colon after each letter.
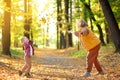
x: 45, y: 9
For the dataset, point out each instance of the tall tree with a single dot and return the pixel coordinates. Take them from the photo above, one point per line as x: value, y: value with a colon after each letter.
x: 60, y: 35
x: 112, y: 23
x: 68, y: 5
x: 28, y: 17
x: 67, y: 20
x: 26, y: 26
x: 97, y: 24
x: 70, y: 25
x: 91, y: 25
x: 6, y: 29
x: 59, y: 25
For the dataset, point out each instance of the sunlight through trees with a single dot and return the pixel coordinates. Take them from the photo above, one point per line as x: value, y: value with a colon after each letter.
x: 47, y: 22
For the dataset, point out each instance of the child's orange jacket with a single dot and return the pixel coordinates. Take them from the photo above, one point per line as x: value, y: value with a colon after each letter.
x: 88, y: 41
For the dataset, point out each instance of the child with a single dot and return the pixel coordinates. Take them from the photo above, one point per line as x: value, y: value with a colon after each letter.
x: 91, y: 44
x: 28, y: 52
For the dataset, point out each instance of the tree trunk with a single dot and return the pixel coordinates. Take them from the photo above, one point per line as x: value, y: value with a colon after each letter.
x: 28, y: 18
x: 107, y: 31
x: 59, y: 25
x: 98, y: 26
x: 70, y: 26
x: 67, y: 21
x: 91, y: 25
x: 6, y: 30
x: 112, y: 23
x: 62, y: 41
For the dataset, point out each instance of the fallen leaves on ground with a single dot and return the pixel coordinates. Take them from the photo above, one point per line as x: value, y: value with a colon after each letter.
x: 51, y: 64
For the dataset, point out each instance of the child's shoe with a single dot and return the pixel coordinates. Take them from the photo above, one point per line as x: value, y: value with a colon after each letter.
x: 28, y: 75
x: 86, y: 74
x: 20, y: 73
x: 101, y: 72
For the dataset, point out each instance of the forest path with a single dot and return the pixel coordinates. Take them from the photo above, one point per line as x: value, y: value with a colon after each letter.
x: 52, y: 64
x: 58, y: 57
x: 58, y: 64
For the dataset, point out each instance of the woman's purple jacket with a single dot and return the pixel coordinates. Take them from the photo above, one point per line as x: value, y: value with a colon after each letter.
x: 27, y: 48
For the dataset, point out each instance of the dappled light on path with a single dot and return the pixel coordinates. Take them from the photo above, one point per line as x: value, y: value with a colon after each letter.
x: 52, y: 64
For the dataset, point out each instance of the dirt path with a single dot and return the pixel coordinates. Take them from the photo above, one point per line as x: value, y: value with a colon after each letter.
x: 52, y: 64
x: 57, y: 64
x: 55, y: 57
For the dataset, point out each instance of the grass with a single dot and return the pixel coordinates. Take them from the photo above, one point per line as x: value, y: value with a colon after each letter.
x: 17, y: 52
x: 78, y: 54
x: 82, y: 53
x: 108, y: 46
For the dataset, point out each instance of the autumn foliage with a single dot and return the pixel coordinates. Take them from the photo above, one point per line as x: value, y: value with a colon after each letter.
x: 52, y: 64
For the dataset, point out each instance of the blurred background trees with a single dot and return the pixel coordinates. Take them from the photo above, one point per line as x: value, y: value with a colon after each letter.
x: 47, y: 22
